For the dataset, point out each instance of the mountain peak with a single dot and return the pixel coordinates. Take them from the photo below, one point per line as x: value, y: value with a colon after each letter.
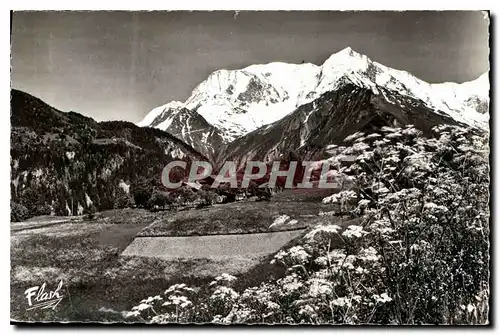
x: 347, y: 59
x: 348, y: 53
x: 239, y: 101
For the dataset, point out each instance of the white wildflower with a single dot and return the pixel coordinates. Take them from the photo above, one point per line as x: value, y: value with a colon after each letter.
x: 356, y: 298
x: 383, y: 298
x: 340, y: 197
x: 393, y: 135
x: 290, y: 284
x: 224, y: 278
x: 349, y: 262
x: 374, y: 135
x: 179, y: 288
x: 329, y: 229
x: 363, y: 202
x: 320, y: 287
x: 224, y: 293
x: 387, y: 129
x: 132, y: 314
x: 470, y: 308
x: 341, y: 302
x: 298, y: 254
x: 321, y: 260
x: 337, y: 255
x: 365, y: 156
x: 180, y: 301
x: 218, y: 319
x: 151, y: 299
x: 360, y: 270
x: 360, y: 146
x: 307, y: 310
x: 354, y: 136
x: 354, y: 231
x: 279, y: 220
x: 368, y: 255
x: 141, y: 307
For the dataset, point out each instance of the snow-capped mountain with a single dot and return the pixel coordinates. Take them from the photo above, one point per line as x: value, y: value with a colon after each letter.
x: 469, y: 96
x: 186, y: 125
x: 233, y: 103
x: 448, y: 98
x: 161, y: 117
x: 307, y: 132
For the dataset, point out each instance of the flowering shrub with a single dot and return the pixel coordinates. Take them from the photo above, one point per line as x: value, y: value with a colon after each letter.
x: 417, y: 252
x: 174, y: 305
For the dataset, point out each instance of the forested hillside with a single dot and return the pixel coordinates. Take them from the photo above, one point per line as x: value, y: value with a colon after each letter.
x: 68, y: 164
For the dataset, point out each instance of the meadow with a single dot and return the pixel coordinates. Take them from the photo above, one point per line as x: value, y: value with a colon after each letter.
x: 100, y: 283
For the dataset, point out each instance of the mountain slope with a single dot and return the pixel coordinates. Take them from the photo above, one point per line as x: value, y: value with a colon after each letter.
x: 329, y: 119
x: 236, y: 102
x: 66, y: 163
x: 188, y: 126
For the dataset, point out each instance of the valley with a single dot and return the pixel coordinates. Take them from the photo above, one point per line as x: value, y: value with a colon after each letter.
x: 104, y: 272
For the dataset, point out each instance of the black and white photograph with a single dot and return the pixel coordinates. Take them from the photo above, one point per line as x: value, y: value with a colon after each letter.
x: 250, y: 167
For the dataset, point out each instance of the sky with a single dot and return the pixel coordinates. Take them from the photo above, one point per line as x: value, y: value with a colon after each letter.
x: 121, y: 65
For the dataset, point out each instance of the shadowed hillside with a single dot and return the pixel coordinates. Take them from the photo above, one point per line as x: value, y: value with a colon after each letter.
x: 68, y: 164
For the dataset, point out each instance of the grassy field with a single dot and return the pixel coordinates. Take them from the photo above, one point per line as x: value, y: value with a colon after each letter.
x: 86, y: 256
x: 99, y: 283
x: 211, y: 246
x: 241, y: 218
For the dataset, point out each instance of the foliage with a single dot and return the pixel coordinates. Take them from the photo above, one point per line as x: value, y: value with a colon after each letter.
x: 160, y: 199
x: 91, y: 213
x: 43, y: 210
x: 206, y: 198
x: 18, y: 212
x: 184, y: 195
x: 141, y: 192
x: 122, y: 199
x: 418, y: 256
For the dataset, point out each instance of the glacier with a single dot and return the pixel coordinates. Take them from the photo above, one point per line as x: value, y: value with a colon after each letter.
x: 237, y: 102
